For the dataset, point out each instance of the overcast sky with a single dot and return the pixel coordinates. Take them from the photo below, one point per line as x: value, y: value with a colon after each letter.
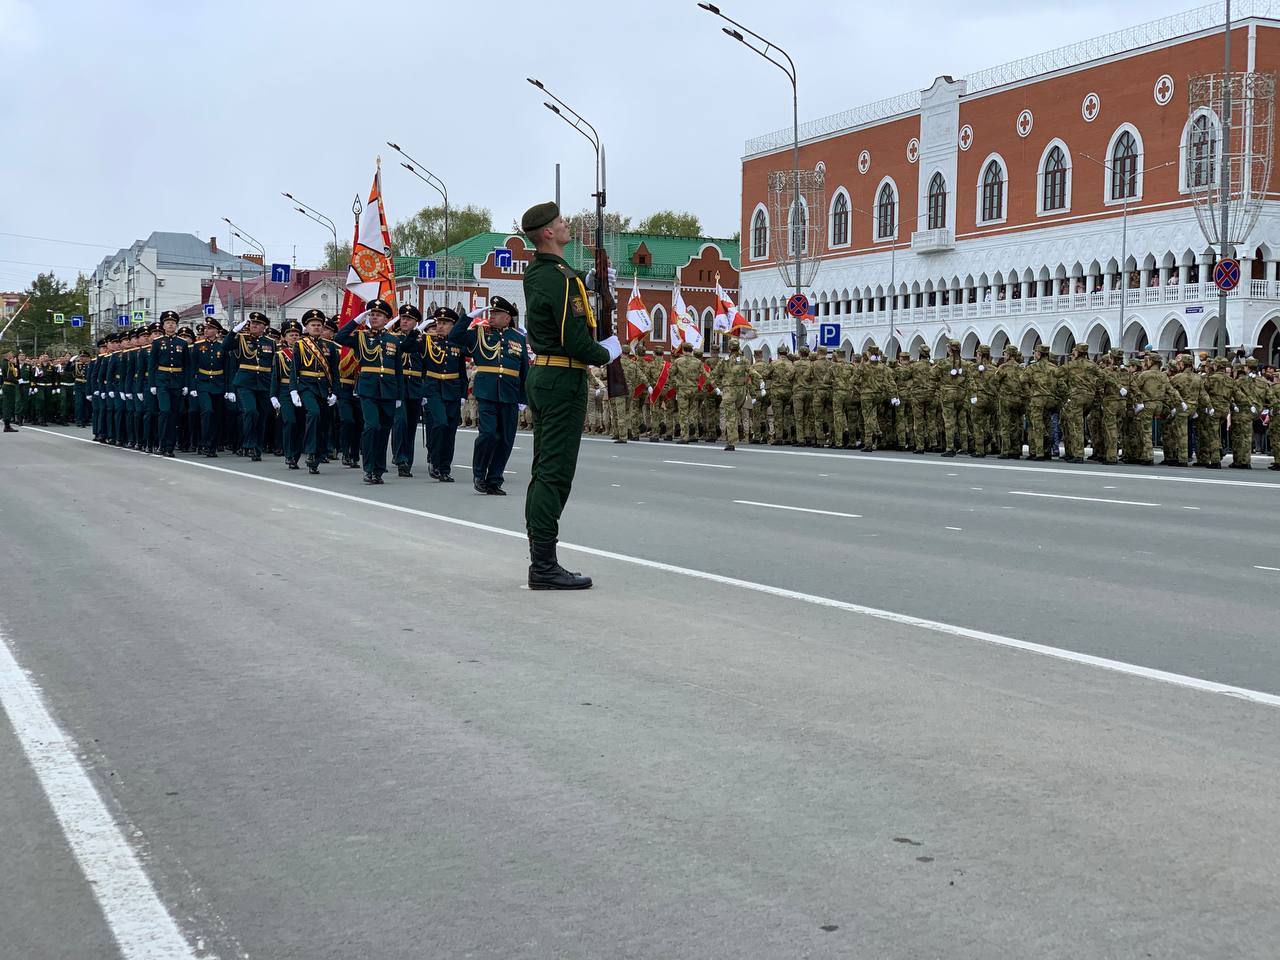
x: 127, y: 117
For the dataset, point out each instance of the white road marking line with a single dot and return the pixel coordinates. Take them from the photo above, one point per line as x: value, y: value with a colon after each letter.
x: 1063, y: 496
x: 783, y: 506
x: 1109, y: 488
x: 955, y: 528
x: 1071, y: 656
x: 695, y: 463
x: 975, y: 488
x: 1272, y: 569
x: 1029, y: 468
x: 142, y: 927
x: 1190, y: 508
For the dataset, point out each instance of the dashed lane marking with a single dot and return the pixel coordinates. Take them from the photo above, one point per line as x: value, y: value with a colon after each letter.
x: 783, y: 506
x: 1063, y: 496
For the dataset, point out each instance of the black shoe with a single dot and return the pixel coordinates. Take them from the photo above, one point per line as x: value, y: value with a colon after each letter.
x: 480, y: 486
x: 313, y: 467
x: 445, y: 478
x: 545, y: 572
x: 949, y: 453
x: 10, y: 428
x: 619, y: 439
x: 402, y: 470
x: 1073, y: 460
x: 728, y: 446
x: 1274, y: 466
x: 291, y: 464
x: 655, y: 439
x: 370, y: 478
x: 210, y: 453
x: 255, y: 457
x: 494, y: 490
x: 170, y: 453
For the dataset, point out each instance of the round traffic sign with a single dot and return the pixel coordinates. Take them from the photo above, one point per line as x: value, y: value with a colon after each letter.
x: 1226, y: 275
x: 798, y: 305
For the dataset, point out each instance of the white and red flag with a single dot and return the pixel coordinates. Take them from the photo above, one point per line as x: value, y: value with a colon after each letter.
x: 372, y: 274
x: 675, y: 333
x: 728, y: 319
x: 638, y: 322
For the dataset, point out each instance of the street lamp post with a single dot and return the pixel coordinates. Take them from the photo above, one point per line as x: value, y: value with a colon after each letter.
x: 893, y: 251
x: 1124, y: 238
x: 790, y: 70
x: 262, y: 251
x: 311, y: 213
x: 438, y: 185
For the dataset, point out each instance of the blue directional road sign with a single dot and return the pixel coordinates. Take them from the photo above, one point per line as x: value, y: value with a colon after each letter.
x: 280, y: 272
x: 829, y: 335
x: 77, y: 320
x: 426, y: 269
x: 209, y: 309
x: 502, y: 258
x: 122, y: 320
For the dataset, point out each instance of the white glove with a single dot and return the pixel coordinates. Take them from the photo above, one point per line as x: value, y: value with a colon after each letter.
x: 955, y: 372
x: 1266, y: 412
x: 610, y: 272
x: 111, y: 394
x: 333, y: 400
x: 1139, y: 407
x: 22, y: 383
x: 297, y: 400
x: 153, y: 391
x: 397, y: 404
x: 522, y: 407
x: 1252, y: 408
x: 717, y: 391
x: 650, y: 390
x: 1210, y: 411
x: 477, y: 312
x: 239, y: 326
x: 762, y: 390
x: 421, y: 326
x: 275, y: 403
x: 599, y: 392
x: 230, y: 396
x: 1234, y: 408
x: 974, y: 401
x: 895, y: 401
x: 1184, y: 405
x: 613, y: 346
x: 425, y: 404
x: 185, y: 391
x: 31, y: 392
x: 982, y: 367
x: 1124, y: 391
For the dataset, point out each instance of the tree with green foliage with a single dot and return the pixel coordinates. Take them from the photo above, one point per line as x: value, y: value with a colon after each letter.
x: 423, y: 234
x: 337, y: 257
x: 34, y: 330
x: 671, y: 223
x: 583, y: 223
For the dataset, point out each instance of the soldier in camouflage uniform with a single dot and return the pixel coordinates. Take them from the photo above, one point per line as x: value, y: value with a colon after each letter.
x: 1177, y: 430
x: 878, y: 386
x: 802, y: 397
x: 781, y: 380
x: 842, y: 401
x: 953, y: 393
x: 1272, y: 412
x: 1080, y: 377
x: 984, y: 403
x: 685, y: 371
x: 1153, y: 396
x: 822, y: 401
x: 735, y: 383
x: 1041, y: 379
x: 1218, y: 387
x: 1247, y: 401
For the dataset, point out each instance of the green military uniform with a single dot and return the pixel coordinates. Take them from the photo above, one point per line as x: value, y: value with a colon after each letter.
x: 823, y: 404
x: 685, y: 371
x: 561, y: 332
x: 1080, y: 376
x: 1218, y: 388
x: 1177, y: 430
x: 9, y: 392
x: 802, y: 397
x: 781, y: 379
x: 1153, y: 396
x: 983, y: 401
x: 735, y: 382
x: 1042, y: 401
x: 1273, y: 423
x: 1011, y: 402
x: 878, y: 386
x: 954, y: 394
x: 842, y: 403
x: 1247, y: 401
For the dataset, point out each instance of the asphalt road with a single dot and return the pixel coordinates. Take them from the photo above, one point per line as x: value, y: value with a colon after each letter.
x: 333, y: 724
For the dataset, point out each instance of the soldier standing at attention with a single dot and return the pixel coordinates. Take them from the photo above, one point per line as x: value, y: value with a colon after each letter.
x: 284, y: 394
x: 445, y: 367
x: 561, y: 327
x: 169, y: 364
x: 404, y: 427
x: 1178, y: 429
x: 9, y: 392
x: 802, y: 397
x: 953, y: 390
x: 379, y: 383
x: 1081, y: 381
x: 502, y: 367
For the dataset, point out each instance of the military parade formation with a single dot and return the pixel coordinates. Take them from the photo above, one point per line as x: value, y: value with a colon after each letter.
x: 1054, y: 407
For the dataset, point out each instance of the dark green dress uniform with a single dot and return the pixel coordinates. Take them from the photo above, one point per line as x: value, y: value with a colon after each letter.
x: 501, y: 368
x: 82, y: 399
x: 349, y: 423
x: 283, y: 390
x: 9, y: 393
x: 117, y: 368
x: 169, y: 363
x: 444, y: 367
x: 379, y: 386
x: 206, y: 386
x: 253, y: 358
x: 561, y: 332
x: 312, y: 377
x: 37, y: 391
x: 404, y: 424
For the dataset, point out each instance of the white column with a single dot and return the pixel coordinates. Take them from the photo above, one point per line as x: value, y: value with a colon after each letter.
x: 1184, y: 274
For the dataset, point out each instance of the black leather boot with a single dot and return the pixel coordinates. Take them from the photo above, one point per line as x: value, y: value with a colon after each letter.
x: 545, y: 572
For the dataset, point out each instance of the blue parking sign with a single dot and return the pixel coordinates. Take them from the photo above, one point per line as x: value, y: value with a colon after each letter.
x: 829, y: 335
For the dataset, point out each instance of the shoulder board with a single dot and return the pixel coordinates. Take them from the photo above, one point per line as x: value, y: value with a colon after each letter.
x: 566, y: 270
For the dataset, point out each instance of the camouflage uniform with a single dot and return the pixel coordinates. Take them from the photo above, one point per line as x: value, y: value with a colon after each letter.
x: 735, y: 382
x: 984, y: 401
x: 802, y: 397
x: 877, y: 387
x: 781, y: 380
x: 822, y: 400
x: 954, y: 394
x: 1080, y: 376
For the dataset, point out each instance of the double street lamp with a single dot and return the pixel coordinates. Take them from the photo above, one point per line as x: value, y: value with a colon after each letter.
x: 788, y: 68
x: 262, y: 251
x: 438, y: 185
x: 311, y: 213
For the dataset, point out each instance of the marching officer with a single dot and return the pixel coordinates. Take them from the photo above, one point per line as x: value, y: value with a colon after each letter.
x: 379, y: 384
x: 208, y: 383
x: 169, y: 364
x: 312, y: 377
x: 501, y: 359
x: 444, y: 389
x: 405, y: 423
x: 253, y: 354
x: 561, y: 328
x: 285, y: 399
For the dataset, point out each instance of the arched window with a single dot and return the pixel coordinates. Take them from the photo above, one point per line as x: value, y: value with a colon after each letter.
x: 659, y: 317
x: 1054, y: 192
x: 840, y: 220
x: 886, y: 213
x: 799, y: 239
x: 1202, y: 147
x: 759, y: 236
x: 993, y: 192
x: 1124, y: 167
x: 937, y: 202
